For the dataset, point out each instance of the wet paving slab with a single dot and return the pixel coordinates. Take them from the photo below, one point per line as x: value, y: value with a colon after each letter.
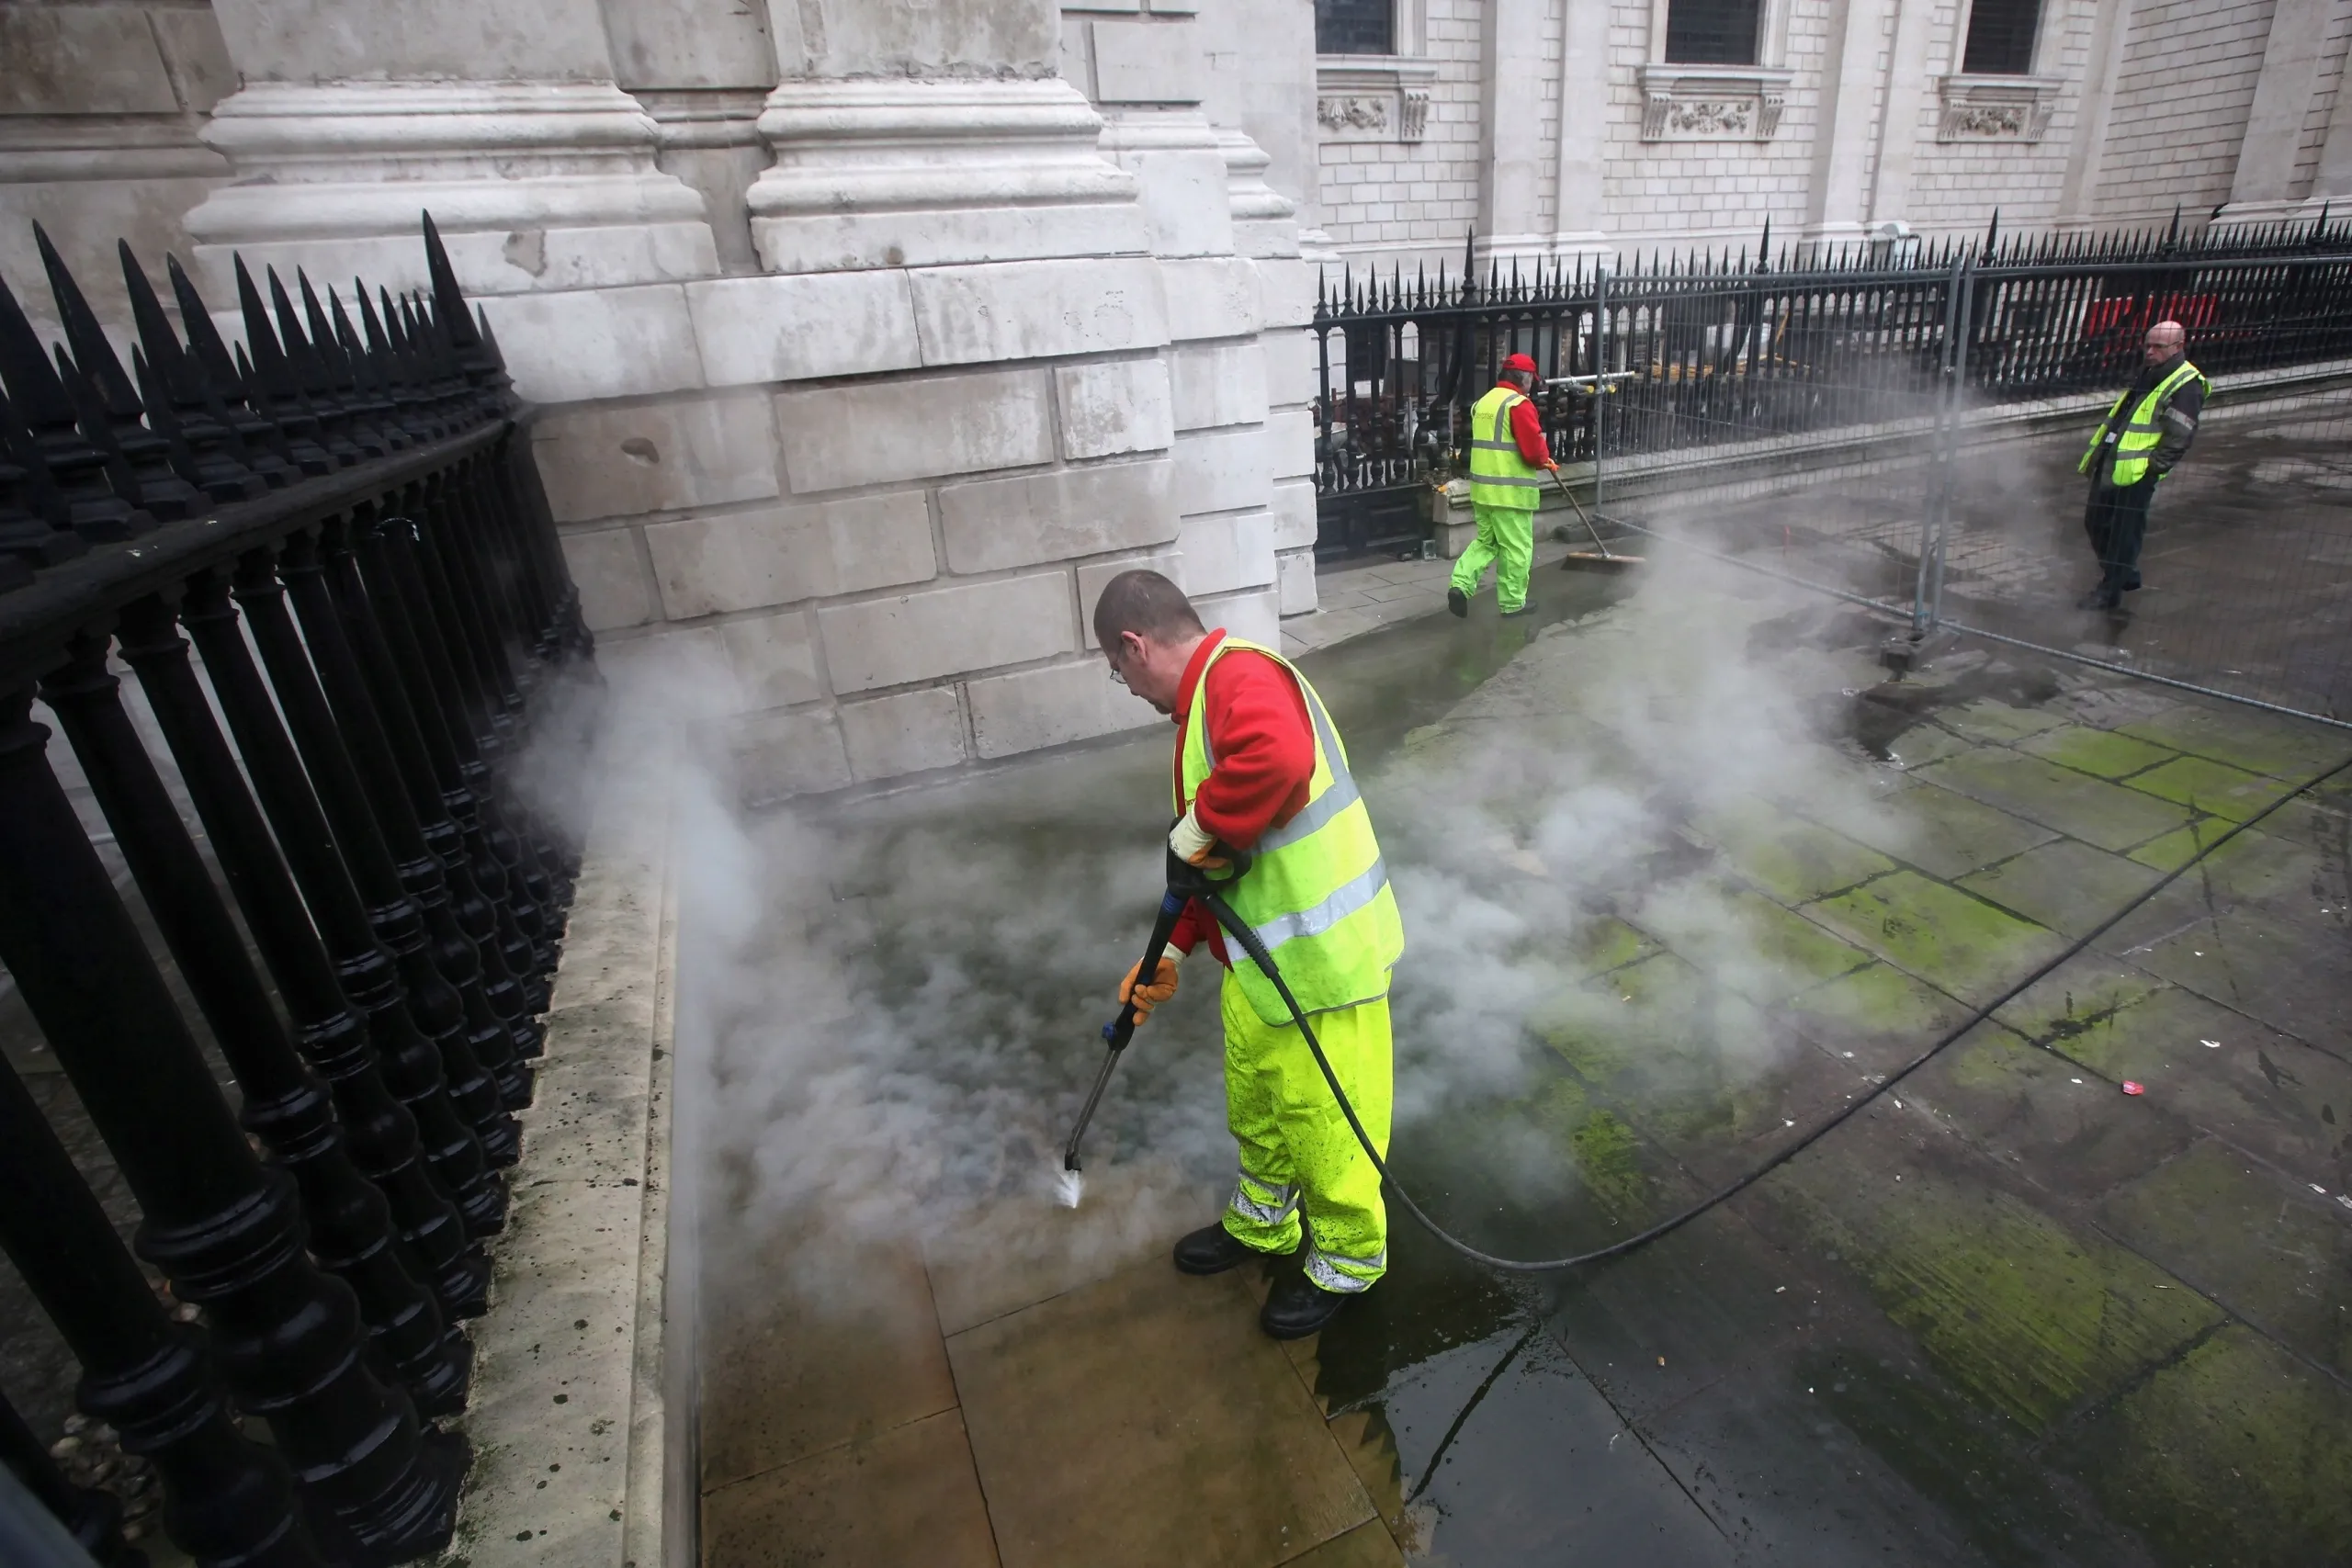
x: 1675, y: 899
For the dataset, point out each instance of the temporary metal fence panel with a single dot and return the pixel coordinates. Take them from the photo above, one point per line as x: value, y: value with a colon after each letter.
x: 1883, y: 424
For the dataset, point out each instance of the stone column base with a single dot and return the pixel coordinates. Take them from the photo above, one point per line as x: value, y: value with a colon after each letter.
x: 905, y: 173
x: 534, y: 185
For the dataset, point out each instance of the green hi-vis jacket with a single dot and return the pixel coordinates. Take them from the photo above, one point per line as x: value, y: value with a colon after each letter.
x: 1498, y: 475
x: 1317, y: 893
x: 2136, y: 439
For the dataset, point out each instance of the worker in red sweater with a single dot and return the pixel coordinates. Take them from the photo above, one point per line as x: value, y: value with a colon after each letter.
x: 1260, y: 767
x: 1508, y: 460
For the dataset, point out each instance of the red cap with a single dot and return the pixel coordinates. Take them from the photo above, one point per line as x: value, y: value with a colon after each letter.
x: 1519, y: 361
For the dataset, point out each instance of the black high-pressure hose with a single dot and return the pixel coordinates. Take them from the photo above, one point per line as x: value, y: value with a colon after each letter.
x: 1256, y: 949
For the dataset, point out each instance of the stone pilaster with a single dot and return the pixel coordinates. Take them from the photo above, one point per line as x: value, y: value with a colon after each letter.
x: 2265, y: 187
x: 503, y: 120
x: 1580, y: 224
x: 2088, y: 152
x: 1838, y: 199
x: 1512, y: 169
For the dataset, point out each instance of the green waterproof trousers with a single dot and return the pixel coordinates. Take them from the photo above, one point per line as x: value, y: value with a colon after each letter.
x: 1507, y: 538
x: 1296, y: 1147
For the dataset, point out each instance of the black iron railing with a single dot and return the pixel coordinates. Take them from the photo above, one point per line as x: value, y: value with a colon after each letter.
x: 1658, y: 355
x: 340, y: 514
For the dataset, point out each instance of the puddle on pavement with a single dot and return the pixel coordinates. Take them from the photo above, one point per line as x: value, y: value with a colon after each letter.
x: 1803, y: 1375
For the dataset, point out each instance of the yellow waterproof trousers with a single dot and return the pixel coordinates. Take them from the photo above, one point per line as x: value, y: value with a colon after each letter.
x: 1507, y: 537
x: 1296, y: 1147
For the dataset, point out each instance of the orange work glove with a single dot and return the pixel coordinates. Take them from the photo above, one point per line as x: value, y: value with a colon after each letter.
x: 1192, y: 843
x: 1146, y: 998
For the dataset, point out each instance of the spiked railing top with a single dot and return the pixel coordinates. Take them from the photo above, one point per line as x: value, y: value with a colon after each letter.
x: 309, y: 414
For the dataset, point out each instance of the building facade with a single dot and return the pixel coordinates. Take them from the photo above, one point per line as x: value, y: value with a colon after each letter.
x: 873, y: 336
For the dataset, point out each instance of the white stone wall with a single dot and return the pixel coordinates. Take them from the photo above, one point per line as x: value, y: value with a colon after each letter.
x: 2323, y: 104
x: 1956, y: 187
x: 1382, y: 197
x: 2188, y: 80
x: 100, y: 106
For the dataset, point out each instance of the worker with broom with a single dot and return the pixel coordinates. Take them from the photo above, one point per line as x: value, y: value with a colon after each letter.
x: 1260, y: 767
x: 1509, y: 457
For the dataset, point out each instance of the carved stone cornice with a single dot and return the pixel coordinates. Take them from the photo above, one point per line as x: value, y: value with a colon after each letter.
x: 1713, y: 102
x: 1996, y: 108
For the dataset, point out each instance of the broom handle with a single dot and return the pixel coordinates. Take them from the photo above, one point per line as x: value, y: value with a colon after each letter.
x: 1589, y: 528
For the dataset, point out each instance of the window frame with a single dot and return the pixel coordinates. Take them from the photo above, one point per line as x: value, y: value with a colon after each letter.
x: 1378, y: 97
x: 2036, y: 59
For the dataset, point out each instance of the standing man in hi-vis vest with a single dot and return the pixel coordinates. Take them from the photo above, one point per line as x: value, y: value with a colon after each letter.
x: 1260, y: 767
x: 2146, y: 432
x: 1509, y: 457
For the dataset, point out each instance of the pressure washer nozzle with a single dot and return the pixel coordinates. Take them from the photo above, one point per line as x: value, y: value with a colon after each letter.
x: 1069, y: 1186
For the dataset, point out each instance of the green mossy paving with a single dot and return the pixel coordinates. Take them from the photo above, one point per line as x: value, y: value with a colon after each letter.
x: 1988, y: 718
x: 2112, y: 816
x: 2214, y: 788
x: 2236, y: 1456
x: 1954, y: 941
x: 1943, y: 832
x: 2066, y: 885
x: 2243, y: 739
x: 2267, y: 1247
x: 1790, y: 859
x: 2102, y: 754
x: 2028, y: 1317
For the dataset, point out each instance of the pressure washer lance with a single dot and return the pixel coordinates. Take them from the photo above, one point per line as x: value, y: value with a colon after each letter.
x: 1195, y: 884
x: 1185, y: 882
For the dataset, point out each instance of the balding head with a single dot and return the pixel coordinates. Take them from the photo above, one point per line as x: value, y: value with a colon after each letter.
x: 2164, y: 340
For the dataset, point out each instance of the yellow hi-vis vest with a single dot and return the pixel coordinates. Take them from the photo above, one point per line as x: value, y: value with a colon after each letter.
x: 2137, y: 439
x: 1318, y: 892
x: 1498, y: 475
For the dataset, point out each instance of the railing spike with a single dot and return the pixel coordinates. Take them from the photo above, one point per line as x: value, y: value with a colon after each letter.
x: 263, y: 444
x: 203, y: 444
x: 142, y: 464
x: 311, y: 374
x: 334, y: 371
x: 28, y: 539
x: 371, y: 402
x: 270, y: 381
x: 79, y: 497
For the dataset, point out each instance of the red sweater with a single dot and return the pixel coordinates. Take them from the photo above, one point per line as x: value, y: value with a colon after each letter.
x: 1527, y: 429
x: 1264, y: 747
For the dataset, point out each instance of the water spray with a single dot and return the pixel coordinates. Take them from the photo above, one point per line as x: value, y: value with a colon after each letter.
x: 1186, y: 881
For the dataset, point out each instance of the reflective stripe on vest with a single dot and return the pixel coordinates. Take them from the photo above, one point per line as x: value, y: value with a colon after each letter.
x: 1317, y: 893
x: 2137, y: 438
x: 1498, y: 475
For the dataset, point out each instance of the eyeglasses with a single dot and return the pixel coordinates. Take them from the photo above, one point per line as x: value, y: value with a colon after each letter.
x: 1118, y: 675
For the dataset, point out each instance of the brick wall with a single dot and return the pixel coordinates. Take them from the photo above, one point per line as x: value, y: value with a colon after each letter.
x: 1384, y: 195
x: 1957, y: 185
x: 1710, y: 192
x: 2181, y: 100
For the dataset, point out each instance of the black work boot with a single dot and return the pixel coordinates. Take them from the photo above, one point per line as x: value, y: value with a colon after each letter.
x: 2100, y: 598
x: 1213, y: 1249
x: 1457, y: 601
x: 1296, y: 1306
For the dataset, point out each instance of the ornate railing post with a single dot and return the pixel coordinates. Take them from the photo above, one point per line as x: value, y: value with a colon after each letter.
x: 225, y: 1230
x: 373, y: 712
x: 226, y: 1500
x: 75, y: 491
x: 407, y: 902
x: 284, y: 1103
x: 372, y: 972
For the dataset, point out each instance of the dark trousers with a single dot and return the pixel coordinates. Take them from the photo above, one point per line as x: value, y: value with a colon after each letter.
x: 2116, y: 521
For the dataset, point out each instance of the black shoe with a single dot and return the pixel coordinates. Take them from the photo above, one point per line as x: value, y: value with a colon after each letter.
x: 1520, y: 611
x: 1298, y: 1306
x: 2100, y: 599
x: 1213, y: 1249
x: 1457, y: 601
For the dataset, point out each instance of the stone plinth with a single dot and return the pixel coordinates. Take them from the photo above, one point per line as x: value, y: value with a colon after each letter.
x: 536, y: 186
